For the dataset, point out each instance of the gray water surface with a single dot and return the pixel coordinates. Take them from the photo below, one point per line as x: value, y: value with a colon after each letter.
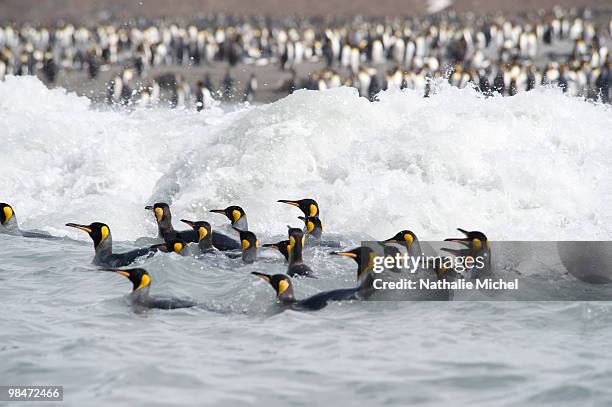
x: 65, y: 322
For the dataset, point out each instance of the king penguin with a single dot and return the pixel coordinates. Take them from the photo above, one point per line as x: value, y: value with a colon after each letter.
x: 141, y: 285
x: 9, y: 226
x: 285, y: 297
x: 236, y: 216
x: 297, y: 267
x: 308, y: 206
x: 103, y: 245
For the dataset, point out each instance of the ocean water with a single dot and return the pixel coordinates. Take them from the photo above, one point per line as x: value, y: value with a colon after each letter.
x: 532, y: 167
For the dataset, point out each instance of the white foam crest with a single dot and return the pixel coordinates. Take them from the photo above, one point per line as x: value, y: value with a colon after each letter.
x: 530, y: 167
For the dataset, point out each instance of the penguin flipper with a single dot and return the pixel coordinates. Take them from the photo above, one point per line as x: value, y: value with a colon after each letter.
x: 169, y: 303
x: 223, y: 242
x: 125, y: 259
x: 37, y: 235
x: 320, y: 301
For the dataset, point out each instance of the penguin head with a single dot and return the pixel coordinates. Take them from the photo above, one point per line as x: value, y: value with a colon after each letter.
x: 296, y: 238
x: 475, y: 242
x: 406, y: 237
x: 161, y: 211
x: 234, y: 213
x: 308, y: 206
x: 281, y: 284
x: 7, y: 214
x: 363, y: 256
x: 177, y: 246
x: 313, y: 225
x: 249, y: 244
x: 282, y: 246
x: 203, y: 228
x: 139, y: 277
x: 99, y: 232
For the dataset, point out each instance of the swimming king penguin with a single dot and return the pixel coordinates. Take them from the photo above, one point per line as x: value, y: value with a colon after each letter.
x: 204, y: 231
x: 9, y: 226
x: 103, y: 245
x: 141, y: 285
x: 236, y: 216
x: 297, y: 267
x: 249, y: 245
x: 477, y: 247
x: 364, y: 257
x: 308, y: 206
x: 163, y: 217
x: 286, y: 298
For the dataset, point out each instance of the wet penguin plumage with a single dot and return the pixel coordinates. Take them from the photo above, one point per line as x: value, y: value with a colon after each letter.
x: 140, y: 297
x: 249, y: 245
x: 312, y: 226
x: 297, y: 267
x: 9, y: 225
x: 103, y: 245
x: 364, y: 257
x: 163, y: 216
x: 282, y: 247
x: 236, y: 216
x: 204, y: 231
x: 308, y: 206
x: 286, y: 298
x: 476, y: 246
x: 407, y: 239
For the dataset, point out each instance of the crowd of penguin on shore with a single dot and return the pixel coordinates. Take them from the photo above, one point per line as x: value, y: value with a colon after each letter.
x: 497, y: 54
x: 201, y: 240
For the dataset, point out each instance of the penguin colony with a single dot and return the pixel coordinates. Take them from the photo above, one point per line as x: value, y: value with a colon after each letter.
x: 498, y: 54
x: 204, y: 241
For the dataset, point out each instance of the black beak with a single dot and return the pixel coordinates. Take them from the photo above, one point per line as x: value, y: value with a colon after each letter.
x: 190, y: 223
x: 149, y: 207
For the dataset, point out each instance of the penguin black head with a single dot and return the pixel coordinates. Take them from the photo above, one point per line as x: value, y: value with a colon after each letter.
x: 99, y: 232
x: 475, y: 242
x: 281, y: 284
x: 235, y: 214
x: 406, y: 237
x: 139, y: 277
x: 296, y: 236
x: 161, y: 211
x: 308, y: 206
x: 313, y: 225
x: 282, y: 246
x: 249, y: 245
x: 6, y: 213
x: 203, y: 228
x: 363, y: 256
x: 173, y: 245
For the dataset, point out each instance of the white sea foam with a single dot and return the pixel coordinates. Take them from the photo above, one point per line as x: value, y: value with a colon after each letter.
x: 531, y: 167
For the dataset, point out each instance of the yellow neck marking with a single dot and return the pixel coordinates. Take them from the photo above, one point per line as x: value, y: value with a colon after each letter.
x: 236, y: 215
x: 282, y: 286
x: 145, y: 281
x: 310, y: 226
x: 159, y: 214
x: 408, y: 238
x: 8, y: 213
x: 178, y: 247
x: 313, y: 210
x: 477, y: 243
x: 202, y: 232
x: 245, y: 244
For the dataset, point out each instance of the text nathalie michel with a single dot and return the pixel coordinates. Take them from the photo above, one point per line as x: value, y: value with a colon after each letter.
x: 406, y: 263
